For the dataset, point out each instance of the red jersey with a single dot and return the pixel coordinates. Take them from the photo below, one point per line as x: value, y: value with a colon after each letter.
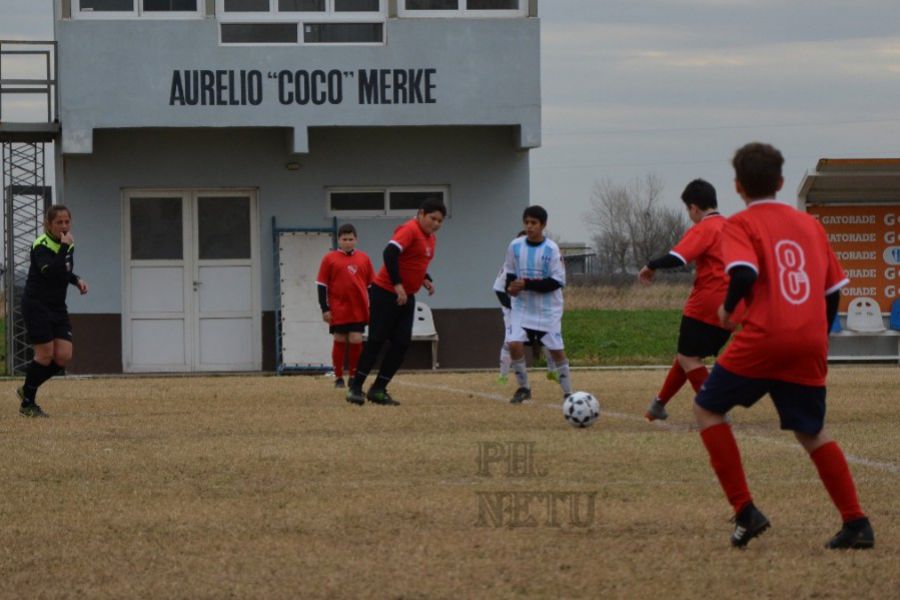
x: 784, y: 335
x: 702, y: 245
x: 416, y: 252
x: 347, y: 278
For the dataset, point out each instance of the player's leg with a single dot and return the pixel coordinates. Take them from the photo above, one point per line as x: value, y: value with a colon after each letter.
x: 552, y: 368
x: 505, y: 358
x: 39, y: 370
x: 675, y: 378
x: 338, y: 356
x: 382, y: 311
x: 399, y: 338
x: 802, y: 410
x: 43, y: 328
x: 554, y: 343
x: 516, y: 340
x: 354, y: 349
x: 723, y: 391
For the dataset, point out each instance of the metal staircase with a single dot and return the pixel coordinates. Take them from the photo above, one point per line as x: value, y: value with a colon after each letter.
x: 24, y: 152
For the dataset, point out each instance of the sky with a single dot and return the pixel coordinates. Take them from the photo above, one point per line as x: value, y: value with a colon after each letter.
x: 674, y: 87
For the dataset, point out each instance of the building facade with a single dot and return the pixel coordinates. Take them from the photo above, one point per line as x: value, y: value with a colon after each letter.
x: 189, y: 128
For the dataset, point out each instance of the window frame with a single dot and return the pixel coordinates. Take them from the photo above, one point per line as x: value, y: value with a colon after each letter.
x: 259, y: 44
x: 386, y: 212
x: 462, y: 12
x: 329, y: 15
x: 137, y: 12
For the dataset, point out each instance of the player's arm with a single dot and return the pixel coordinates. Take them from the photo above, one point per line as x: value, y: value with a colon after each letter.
x: 832, y: 301
x: 52, y: 264
x: 504, y: 299
x: 391, y: 257
x: 542, y: 286
x: 742, y: 279
x: 428, y: 284
x: 667, y: 261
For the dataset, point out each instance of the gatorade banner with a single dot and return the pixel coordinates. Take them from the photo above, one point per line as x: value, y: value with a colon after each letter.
x: 866, y: 239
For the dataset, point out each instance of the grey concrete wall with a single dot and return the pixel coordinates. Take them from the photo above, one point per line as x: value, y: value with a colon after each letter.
x: 488, y: 179
x: 121, y: 73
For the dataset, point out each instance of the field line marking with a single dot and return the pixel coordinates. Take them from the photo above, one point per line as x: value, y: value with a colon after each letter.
x: 852, y: 459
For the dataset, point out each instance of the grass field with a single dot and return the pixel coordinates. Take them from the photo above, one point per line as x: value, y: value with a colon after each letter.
x: 621, y: 337
x: 265, y: 487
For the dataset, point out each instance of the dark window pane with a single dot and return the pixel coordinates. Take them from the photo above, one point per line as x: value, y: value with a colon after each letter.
x: 357, y: 201
x: 259, y: 33
x: 412, y: 200
x: 342, y: 33
x: 246, y: 5
x: 224, y: 227
x: 432, y: 4
x: 107, y: 5
x: 494, y: 4
x: 170, y: 5
x: 356, y: 6
x: 301, y: 5
x: 156, y: 229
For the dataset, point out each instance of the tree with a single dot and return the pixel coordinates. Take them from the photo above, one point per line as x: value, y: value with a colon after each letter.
x: 630, y: 224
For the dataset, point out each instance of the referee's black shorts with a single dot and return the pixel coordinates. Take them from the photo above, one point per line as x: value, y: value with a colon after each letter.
x: 44, y: 324
x: 696, y: 338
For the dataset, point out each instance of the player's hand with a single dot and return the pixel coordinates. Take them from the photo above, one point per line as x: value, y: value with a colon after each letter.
x: 67, y: 238
x: 82, y: 286
x: 428, y: 285
x: 646, y: 275
x: 326, y: 316
x: 401, y: 294
x: 725, y: 319
x: 515, y: 286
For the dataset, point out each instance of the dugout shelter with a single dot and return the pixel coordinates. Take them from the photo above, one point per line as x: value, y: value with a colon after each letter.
x: 858, y: 203
x: 192, y: 133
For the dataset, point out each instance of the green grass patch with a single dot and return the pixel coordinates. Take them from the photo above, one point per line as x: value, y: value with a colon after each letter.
x: 621, y: 337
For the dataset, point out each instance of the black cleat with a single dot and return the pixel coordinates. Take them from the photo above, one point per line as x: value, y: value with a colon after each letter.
x: 31, y: 409
x: 854, y: 535
x: 522, y: 394
x: 339, y: 383
x: 748, y: 524
x: 355, y: 396
x: 381, y: 397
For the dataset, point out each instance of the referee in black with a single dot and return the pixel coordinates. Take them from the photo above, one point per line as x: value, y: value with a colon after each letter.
x: 44, y: 305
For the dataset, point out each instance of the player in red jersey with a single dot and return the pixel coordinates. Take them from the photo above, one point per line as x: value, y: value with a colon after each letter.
x: 344, y: 278
x: 780, y: 263
x: 393, y: 300
x: 700, y: 334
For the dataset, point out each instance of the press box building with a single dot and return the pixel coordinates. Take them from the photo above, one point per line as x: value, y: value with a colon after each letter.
x: 197, y: 138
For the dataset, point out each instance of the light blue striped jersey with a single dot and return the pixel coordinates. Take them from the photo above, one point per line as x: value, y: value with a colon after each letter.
x: 536, y: 310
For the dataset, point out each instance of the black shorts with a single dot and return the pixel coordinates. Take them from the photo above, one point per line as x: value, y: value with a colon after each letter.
x: 43, y: 324
x: 347, y: 328
x: 696, y: 338
x: 388, y: 320
x: 800, y: 408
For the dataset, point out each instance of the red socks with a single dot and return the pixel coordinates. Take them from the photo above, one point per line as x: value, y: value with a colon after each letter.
x: 725, y: 459
x: 697, y: 377
x: 355, y: 351
x: 835, y: 474
x: 338, y: 352
x: 674, y: 380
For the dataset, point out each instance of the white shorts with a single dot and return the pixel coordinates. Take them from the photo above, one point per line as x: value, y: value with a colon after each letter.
x: 552, y: 340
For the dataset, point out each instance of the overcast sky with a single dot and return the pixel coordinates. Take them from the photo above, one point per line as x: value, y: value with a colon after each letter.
x: 673, y: 87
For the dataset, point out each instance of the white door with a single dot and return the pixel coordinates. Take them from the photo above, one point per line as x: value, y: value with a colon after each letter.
x: 191, y: 281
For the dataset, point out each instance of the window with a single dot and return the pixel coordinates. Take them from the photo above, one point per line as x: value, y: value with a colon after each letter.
x: 290, y: 9
x: 343, y: 33
x: 259, y: 33
x: 129, y: 9
x: 463, y: 8
x: 398, y: 201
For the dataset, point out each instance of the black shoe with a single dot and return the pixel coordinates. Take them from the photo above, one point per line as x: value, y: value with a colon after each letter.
x: 856, y: 535
x: 748, y: 524
x: 31, y: 409
x: 381, y: 397
x: 522, y: 394
x: 355, y: 396
x: 339, y: 383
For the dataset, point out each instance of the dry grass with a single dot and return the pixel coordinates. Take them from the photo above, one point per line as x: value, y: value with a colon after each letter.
x: 629, y: 297
x: 276, y: 488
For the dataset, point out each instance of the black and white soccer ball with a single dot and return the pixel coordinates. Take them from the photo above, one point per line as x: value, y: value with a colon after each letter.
x: 581, y: 409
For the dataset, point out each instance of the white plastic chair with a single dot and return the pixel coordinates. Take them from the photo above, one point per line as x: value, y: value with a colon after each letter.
x: 425, y: 331
x: 864, y: 316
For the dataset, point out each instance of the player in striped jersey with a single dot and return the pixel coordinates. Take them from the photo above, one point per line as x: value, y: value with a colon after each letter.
x: 535, y: 277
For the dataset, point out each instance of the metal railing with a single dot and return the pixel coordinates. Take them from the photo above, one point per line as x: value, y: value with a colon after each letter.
x: 42, y: 86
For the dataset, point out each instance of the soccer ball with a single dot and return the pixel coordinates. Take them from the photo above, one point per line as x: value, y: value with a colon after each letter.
x: 581, y: 409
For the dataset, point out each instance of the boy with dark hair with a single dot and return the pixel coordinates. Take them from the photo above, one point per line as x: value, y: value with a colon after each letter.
x: 780, y: 262
x: 700, y: 334
x: 534, y: 279
x: 343, y: 285
x: 393, y: 301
